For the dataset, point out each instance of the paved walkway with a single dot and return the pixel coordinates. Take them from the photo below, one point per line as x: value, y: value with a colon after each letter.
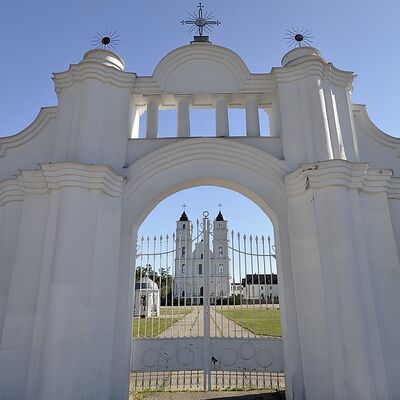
x: 192, y: 324
x: 237, y: 395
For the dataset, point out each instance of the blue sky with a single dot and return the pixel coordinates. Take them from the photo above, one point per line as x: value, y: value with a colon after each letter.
x: 40, y: 37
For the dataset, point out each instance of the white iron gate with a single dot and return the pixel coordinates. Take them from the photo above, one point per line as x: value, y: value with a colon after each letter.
x: 191, y: 330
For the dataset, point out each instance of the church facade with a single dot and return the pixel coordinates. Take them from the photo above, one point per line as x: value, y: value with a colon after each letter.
x: 189, y: 262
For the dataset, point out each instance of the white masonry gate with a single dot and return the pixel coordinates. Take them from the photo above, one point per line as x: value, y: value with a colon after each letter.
x: 198, y: 339
x: 78, y: 182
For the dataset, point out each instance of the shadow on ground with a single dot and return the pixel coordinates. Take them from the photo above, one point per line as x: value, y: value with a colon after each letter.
x: 237, y: 395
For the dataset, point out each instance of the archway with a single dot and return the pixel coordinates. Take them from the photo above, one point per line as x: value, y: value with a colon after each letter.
x: 244, y: 169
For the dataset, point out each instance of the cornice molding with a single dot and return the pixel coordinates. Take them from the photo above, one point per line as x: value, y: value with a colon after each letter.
x: 361, y: 114
x: 33, y: 182
x: 377, y: 180
x: 315, y: 67
x: 93, y: 70
x: 10, y: 191
x: 45, y: 115
x: 56, y: 176
x: 91, y: 177
x: 394, y: 191
x: 333, y: 173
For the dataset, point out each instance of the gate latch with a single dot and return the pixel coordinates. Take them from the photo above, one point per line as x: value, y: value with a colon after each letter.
x: 214, y: 360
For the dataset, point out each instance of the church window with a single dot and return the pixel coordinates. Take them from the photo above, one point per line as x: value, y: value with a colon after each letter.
x: 221, y: 268
x: 220, y: 250
x: 183, y: 268
x: 183, y: 226
x: 183, y: 252
x: 200, y: 269
x: 201, y: 255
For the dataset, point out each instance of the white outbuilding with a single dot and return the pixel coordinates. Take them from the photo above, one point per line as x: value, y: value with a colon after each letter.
x: 147, y: 299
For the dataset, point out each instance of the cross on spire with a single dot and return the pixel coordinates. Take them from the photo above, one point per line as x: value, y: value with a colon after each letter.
x: 203, y: 22
x: 219, y: 205
x: 184, y: 207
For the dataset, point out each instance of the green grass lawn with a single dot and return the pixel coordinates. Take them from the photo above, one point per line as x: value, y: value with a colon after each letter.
x: 150, y: 327
x: 259, y: 321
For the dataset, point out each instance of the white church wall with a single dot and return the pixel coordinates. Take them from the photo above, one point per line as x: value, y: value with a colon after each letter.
x: 140, y: 147
x: 62, y: 283
x: 32, y: 145
x: 21, y: 307
x: 10, y: 218
x: 376, y: 147
x: 321, y: 127
x: 83, y: 292
x: 384, y: 271
x: 96, y: 114
x: 67, y: 248
x: 394, y: 207
x: 348, y: 276
x: 308, y: 286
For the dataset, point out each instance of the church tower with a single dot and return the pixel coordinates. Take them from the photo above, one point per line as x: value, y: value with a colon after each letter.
x: 221, y: 265
x: 183, y: 254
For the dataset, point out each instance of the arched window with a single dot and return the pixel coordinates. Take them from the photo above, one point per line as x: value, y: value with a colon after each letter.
x: 201, y: 256
x: 200, y: 269
x: 220, y: 250
x: 221, y: 268
x: 183, y: 268
x: 183, y: 252
x: 183, y: 226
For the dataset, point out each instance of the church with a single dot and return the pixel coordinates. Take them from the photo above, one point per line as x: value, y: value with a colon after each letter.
x: 189, y: 262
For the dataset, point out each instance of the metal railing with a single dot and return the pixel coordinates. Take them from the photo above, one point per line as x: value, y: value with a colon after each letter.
x: 233, y: 295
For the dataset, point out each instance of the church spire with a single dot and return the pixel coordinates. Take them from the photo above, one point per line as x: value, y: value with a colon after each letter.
x: 184, y: 217
x: 220, y: 217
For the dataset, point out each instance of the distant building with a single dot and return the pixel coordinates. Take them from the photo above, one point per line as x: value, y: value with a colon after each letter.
x: 147, y: 298
x: 237, y: 288
x: 189, y: 262
x: 258, y: 287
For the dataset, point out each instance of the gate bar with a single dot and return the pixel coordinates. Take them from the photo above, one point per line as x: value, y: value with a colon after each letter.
x: 206, y: 303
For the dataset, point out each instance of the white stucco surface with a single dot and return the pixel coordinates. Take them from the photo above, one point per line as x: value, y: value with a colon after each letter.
x: 74, y: 189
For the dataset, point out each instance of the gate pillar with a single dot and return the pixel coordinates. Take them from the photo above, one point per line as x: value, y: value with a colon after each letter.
x: 58, y: 332
x: 96, y: 115
x: 314, y: 108
x: 340, y: 314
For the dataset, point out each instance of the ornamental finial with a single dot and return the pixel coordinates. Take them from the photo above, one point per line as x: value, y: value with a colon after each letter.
x: 297, y: 37
x: 105, y: 39
x: 203, y: 22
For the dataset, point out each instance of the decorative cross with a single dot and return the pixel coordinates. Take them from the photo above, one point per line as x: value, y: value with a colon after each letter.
x: 202, y: 21
x: 219, y: 205
x: 184, y: 207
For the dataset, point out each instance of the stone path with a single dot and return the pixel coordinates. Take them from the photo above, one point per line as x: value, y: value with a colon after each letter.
x: 192, y: 324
